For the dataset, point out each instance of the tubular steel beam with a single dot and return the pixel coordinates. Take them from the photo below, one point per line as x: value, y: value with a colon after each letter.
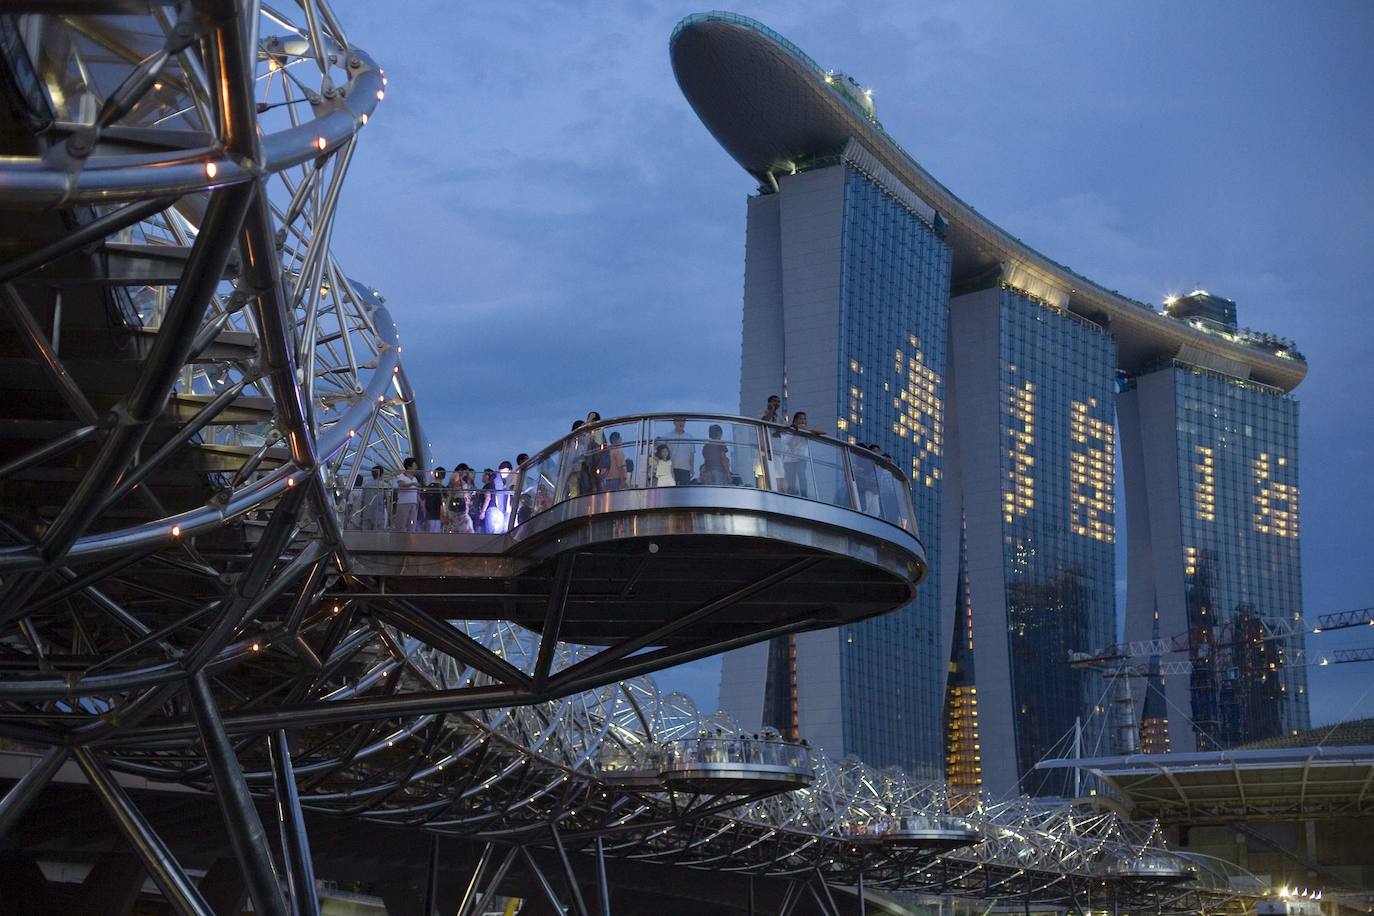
x: 93, y: 231
x: 571, y: 876
x: 431, y: 901
x: 440, y: 634
x: 157, y: 859
x: 23, y: 793
x: 543, y: 880
x: 603, y: 888
x: 478, y: 871
x: 295, y: 842
x: 240, y: 816
x: 553, y: 618
x: 601, y: 660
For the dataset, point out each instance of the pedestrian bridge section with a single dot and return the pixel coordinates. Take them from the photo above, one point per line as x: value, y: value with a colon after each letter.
x: 615, y: 524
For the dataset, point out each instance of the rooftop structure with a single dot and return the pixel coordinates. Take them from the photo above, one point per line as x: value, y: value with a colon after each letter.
x: 777, y: 112
x: 855, y: 252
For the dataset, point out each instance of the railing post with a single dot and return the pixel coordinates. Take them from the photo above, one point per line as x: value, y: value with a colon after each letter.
x: 765, y: 456
x: 853, y: 485
x: 645, y: 447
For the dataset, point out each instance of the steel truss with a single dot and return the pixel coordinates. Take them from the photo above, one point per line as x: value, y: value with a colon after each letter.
x: 195, y: 375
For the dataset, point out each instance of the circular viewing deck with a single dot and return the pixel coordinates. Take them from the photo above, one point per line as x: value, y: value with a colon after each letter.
x: 735, y: 765
x: 1151, y: 867
x: 618, y: 521
x: 928, y: 832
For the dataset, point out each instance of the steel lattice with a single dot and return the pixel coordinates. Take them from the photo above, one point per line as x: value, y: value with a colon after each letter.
x: 170, y: 543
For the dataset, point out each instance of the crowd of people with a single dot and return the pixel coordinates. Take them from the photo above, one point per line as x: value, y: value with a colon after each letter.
x: 408, y: 500
x: 597, y: 462
x: 766, y: 748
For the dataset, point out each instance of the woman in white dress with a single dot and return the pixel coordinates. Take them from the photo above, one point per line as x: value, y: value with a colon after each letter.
x: 661, y: 467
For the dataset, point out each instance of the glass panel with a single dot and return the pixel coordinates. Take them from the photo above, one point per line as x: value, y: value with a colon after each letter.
x: 792, y: 461
x: 828, y: 473
x: 678, y: 451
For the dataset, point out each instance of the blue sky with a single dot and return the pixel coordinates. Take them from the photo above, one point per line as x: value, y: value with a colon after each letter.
x: 555, y: 231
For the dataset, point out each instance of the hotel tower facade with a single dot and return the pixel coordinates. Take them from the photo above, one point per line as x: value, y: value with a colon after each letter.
x: 1009, y: 388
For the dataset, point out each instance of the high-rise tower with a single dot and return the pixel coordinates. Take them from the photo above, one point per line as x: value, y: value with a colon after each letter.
x: 1033, y: 389
x: 845, y: 312
x: 1001, y: 403
x: 1211, y: 462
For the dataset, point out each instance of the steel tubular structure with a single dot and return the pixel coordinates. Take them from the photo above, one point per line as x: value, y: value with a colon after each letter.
x: 189, y: 373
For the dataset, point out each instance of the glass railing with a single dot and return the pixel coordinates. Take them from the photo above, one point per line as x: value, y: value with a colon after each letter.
x: 662, y: 450
x: 739, y: 750
x: 906, y: 826
x: 438, y: 508
x: 696, y: 450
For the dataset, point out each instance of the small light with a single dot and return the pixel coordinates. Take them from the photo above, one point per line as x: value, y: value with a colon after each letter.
x: 273, y: 66
x: 320, y: 142
x: 384, y: 81
x: 157, y: 87
x: 211, y: 170
x: 364, y: 119
x: 290, y: 481
x: 336, y: 609
x: 352, y: 433
x: 256, y: 648
x: 381, y: 94
x: 176, y: 531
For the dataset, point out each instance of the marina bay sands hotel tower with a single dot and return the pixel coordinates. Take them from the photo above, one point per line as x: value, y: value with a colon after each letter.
x: 1010, y: 389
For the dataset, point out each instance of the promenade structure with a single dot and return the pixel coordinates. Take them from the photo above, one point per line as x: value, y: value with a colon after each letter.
x: 892, y: 312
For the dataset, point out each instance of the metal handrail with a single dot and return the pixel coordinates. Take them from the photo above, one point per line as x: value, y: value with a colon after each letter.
x: 864, y: 492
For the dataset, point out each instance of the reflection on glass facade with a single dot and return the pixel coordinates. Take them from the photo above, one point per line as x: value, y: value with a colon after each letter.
x: 893, y: 321
x: 1058, y: 383
x: 1238, y: 471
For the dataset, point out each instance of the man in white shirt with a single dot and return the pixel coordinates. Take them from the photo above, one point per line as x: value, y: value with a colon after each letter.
x: 684, y: 451
x: 407, y: 496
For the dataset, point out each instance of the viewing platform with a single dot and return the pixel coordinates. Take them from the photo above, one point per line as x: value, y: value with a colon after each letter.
x: 735, y: 765
x: 923, y: 832
x: 1151, y: 867
x: 616, y: 522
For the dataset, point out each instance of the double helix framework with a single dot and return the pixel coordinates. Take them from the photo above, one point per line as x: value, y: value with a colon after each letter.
x: 187, y: 370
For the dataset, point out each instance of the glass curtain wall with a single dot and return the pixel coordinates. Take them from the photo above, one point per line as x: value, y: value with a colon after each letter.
x: 1058, y: 376
x: 893, y: 322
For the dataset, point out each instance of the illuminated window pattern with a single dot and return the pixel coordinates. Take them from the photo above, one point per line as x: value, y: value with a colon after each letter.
x: 920, y: 411
x: 1058, y: 385
x: 1018, y: 497
x: 894, y: 315
x: 1237, y: 469
x: 1276, y: 504
x: 1092, y: 470
x: 1205, y: 485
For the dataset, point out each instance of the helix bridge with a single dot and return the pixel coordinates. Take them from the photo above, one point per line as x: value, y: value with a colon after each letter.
x: 189, y: 373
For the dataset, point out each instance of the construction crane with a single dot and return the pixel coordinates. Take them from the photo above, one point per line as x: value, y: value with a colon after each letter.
x: 1115, y: 662
x: 1223, y: 637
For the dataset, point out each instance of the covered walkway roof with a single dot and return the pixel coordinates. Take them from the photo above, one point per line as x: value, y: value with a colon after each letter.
x: 1226, y: 786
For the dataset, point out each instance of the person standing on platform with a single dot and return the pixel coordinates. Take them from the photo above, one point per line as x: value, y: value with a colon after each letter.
x: 684, y: 451
x: 773, y: 412
x: 796, y: 450
x: 407, y: 484
x: 374, y: 501
x: 615, y: 466
x: 435, y: 509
